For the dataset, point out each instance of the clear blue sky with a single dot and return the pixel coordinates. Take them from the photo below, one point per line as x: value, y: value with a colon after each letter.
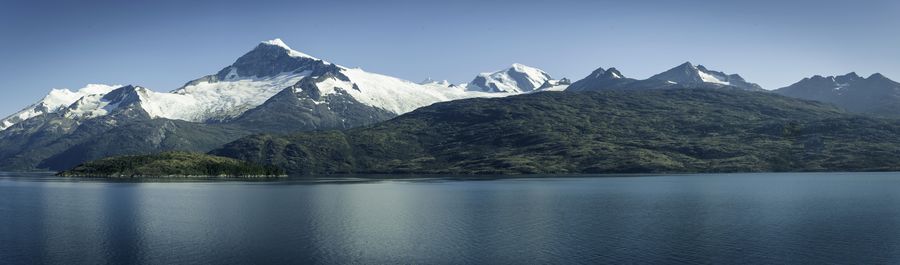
x: 163, y: 44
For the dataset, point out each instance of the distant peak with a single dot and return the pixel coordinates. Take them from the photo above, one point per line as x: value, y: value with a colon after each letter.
x: 277, y: 42
x: 852, y: 74
x: 517, y: 78
x: 687, y: 64
x: 845, y: 79
x: 128, y: 87
x: 688, y: 73
x: 521, y: 67
x: 877, y: 76
x: 611, y: 73
x: 132, y: 88
x: 614, y: 73
x: 280, y: 43
x: 687, y: 68
x: 127, y: 93
x: 598, y: 72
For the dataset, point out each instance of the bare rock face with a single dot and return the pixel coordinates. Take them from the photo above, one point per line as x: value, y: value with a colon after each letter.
x: 271, y: 60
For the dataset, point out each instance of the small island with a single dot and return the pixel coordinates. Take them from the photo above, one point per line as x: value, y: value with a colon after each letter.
x: 175, y: 164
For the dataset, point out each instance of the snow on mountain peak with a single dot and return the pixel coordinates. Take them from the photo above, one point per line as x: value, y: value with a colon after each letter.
x: 96, y: 105
x: 245, y: 84
x: 688, y: 73
x: 56, y: 100
x: 515, y: 79
x: 277, y: 42
x: 293, y: 53
x: 524, y: 68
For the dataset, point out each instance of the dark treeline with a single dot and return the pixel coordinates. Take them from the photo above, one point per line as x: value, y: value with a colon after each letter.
x: 172, y: 164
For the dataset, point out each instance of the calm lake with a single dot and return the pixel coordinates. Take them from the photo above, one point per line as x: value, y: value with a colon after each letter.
x: 789, y: 218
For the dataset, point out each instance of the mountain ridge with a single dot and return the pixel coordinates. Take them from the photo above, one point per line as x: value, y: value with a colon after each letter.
x: 876, y: 94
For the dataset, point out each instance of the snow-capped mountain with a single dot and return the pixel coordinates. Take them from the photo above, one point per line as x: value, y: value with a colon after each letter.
x: 325, y: 80
x: 251, y: 80
x: 875, y: 94
x: 248, y: 82
x: 272, y: 88
x: 96, y: 105
x: 518, y: 78
x: 55, y: 101
x: 688, y: 74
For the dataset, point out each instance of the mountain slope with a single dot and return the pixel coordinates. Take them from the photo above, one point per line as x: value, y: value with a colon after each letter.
x: 137, y: 137
x: 874, y: 95
x: 296, y: 108
x: 669, y: 130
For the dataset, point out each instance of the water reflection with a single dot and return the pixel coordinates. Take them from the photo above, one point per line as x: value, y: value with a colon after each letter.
x: 736, y: 218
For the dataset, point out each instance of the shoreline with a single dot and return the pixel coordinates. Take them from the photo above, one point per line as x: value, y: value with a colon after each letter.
x: 362, y: 178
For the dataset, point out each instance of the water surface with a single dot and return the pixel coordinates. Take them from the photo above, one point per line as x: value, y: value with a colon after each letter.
x: 789, y: 218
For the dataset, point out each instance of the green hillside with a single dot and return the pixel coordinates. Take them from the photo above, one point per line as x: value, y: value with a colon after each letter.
x: 669, y: 130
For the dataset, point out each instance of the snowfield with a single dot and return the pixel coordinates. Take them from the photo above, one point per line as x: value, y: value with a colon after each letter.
x: 55, y: 101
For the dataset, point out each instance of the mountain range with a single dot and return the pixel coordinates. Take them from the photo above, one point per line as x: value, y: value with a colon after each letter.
x: 272, y: 88
x: 682, y: 76
x: 275, y: 89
